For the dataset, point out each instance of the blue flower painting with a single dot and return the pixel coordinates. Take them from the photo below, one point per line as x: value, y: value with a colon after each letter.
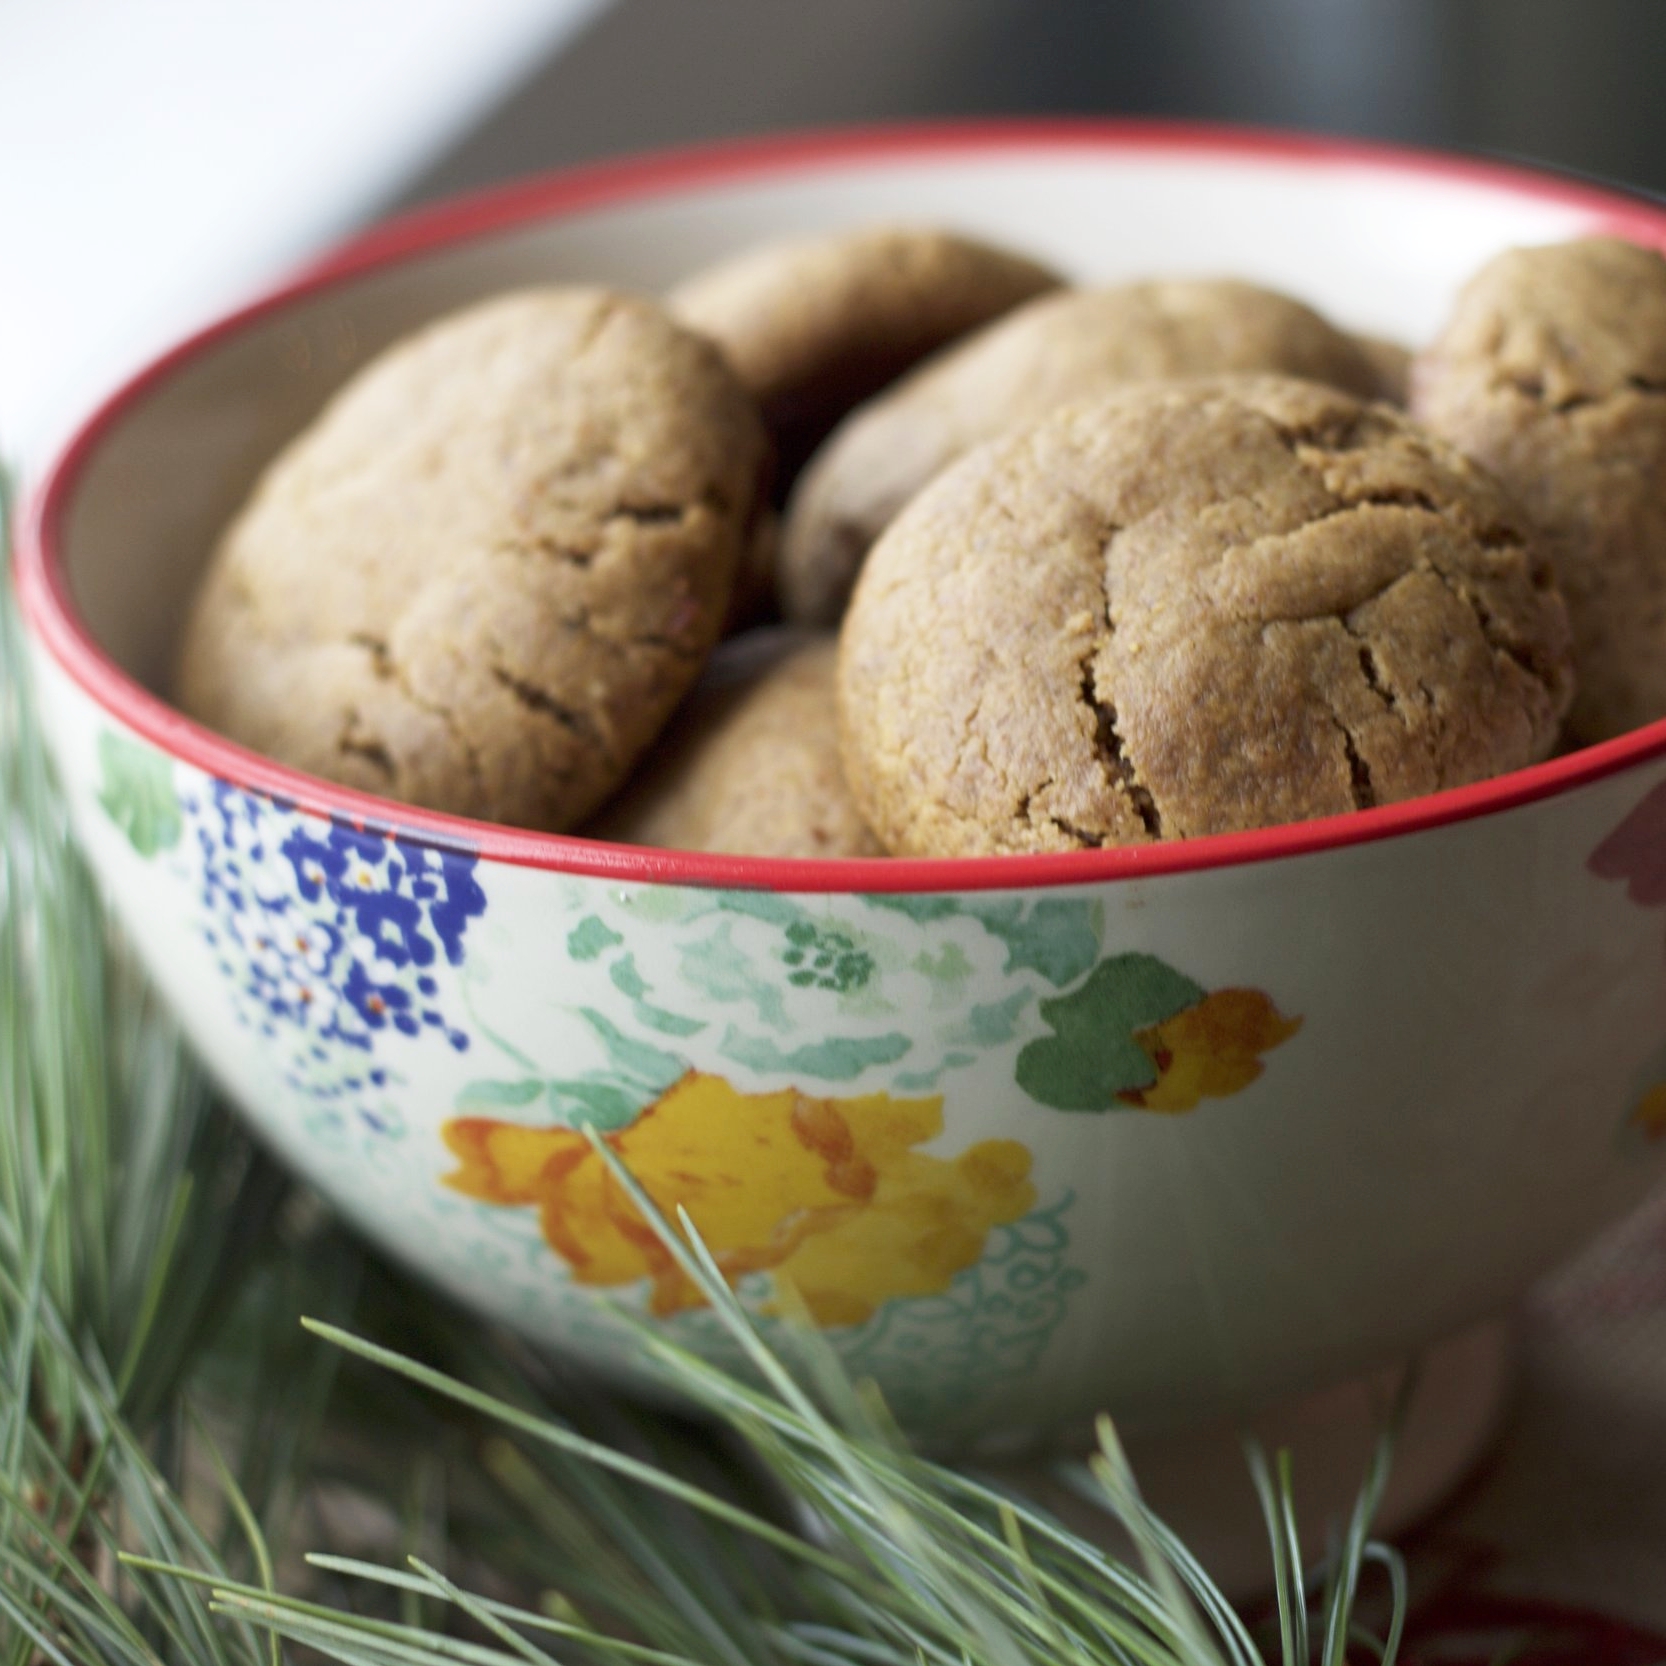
x: 329, y: 935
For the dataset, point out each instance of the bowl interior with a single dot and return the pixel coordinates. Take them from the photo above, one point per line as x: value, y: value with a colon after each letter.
x: 1379, y: 243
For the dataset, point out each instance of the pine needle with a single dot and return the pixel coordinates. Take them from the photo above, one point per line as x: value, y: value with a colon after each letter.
x: 151, y: 1262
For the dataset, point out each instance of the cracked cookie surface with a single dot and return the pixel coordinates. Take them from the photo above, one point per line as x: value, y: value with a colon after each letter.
x: 1551, y: 371
x: 1050, y: 351
x: 483, y: 578
x: 1193, y: 608
x: 751, y: 768
x: 815, y: 325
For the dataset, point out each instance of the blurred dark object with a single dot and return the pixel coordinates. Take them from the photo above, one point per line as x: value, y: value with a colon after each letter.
x: 1572, y: 83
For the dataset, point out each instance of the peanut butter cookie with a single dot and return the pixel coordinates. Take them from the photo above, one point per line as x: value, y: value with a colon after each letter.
x: 1552, y: 372
x: 815, y: 325
x: 485, y: 576
x: 1192, y: 608
x: 752, y: 768
x: 1058, y: 348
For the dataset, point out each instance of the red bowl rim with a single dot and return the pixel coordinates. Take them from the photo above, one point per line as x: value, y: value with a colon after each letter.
x: 51, y: 613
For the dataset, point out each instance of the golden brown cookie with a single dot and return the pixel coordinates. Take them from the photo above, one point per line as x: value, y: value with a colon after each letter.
x: 1192, y: 608
x: 1552, y: 372
x: 752, y: 768
x: 490, y: 569
x: 1055, y: 349
x: 818, y: 324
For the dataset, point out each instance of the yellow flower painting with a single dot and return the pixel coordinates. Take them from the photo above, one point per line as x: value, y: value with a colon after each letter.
x: 830, y: 1196
x: 1209, y: 1051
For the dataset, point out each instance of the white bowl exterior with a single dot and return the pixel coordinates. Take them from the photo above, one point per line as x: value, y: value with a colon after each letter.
x: 1481, y: 1014
x: 1456, y: 1110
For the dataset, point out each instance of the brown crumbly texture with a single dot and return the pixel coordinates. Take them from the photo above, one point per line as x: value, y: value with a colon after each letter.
x: 1051, y: 351
x: 1552, y: 373
x: 816, y: 325
x: 753, y: 770
x: 1193, y: 608
x: 485, y: 576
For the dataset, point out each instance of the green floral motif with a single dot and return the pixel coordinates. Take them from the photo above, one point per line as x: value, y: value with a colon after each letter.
x: 903, y: 992
x: 946, y: 971
x: 822, y: 958
x: 137, y: 793
x: 1092, y: 1055
x: 1136, y: 1035
x: 720, y: 970
x: 923, y: 1081
x: 647, y: 1067
x: 604, y: 1104
x: 769, y: 906
x: 1055, y: 936
x: 499, y: 1096
x: 606, y: 1098
x: 605, y: 1101
x: 590, y: 938
x: 831, y: 996
x: 993, y: 1023
x: 781, y: 970
x: 939, y: 1360
x: 923, y: 909
x: 801, y: 990
x: 837, y: 1059
x: 629, y: 982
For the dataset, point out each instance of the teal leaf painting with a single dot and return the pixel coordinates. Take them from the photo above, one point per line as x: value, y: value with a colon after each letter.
x: 590, y: 938
x: 838, y: 1059
x: 992, y: 1024
x: 603, y: 1101
x: 602, y: 1104
x: 1054, y: 936
x: 923, y: 909
x: 497, y: 1096
x: 630, y: 983
x: 636, y: 1061
x: 721, y: 970
x: 138, y: 793
x: 1092, y: 1055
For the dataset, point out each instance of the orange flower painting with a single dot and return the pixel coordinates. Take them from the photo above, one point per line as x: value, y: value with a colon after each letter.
x: 830, y: 1196
x: 1137, y: 1034
x: 1209, y: 1051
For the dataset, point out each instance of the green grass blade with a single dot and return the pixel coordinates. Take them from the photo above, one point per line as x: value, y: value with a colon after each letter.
x: 551, y: 1434
x: 1287, y: 1589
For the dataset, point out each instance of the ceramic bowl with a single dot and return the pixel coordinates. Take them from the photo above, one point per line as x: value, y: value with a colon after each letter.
x: 1169, y: 1131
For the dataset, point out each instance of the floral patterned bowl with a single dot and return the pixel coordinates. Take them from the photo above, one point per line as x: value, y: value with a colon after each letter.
x: 1169, y: 1130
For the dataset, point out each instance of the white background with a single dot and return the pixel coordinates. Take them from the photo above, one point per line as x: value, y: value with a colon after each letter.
x: 165, y: 157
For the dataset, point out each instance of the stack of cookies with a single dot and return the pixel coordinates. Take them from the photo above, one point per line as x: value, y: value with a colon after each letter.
x: 1056, y: 567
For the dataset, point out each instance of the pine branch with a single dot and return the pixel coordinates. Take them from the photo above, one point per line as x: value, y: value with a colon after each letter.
x: 151, y: 1260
